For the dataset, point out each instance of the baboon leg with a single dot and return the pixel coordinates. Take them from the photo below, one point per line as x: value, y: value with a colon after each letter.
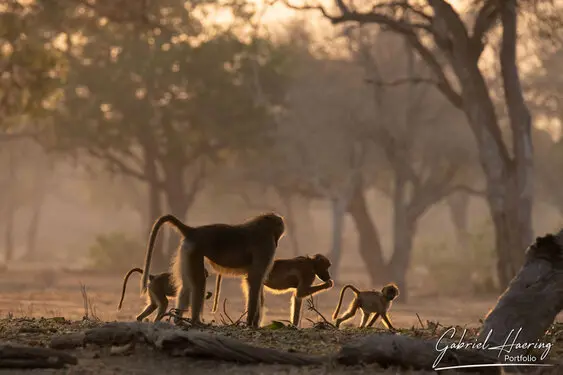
x: 197, y: 281
x: 162, y: 306
x: 373, y: 319
x: 295, y: 309
x: 387, y: 322
x: 365, y: 317
x: 147, y: 311
x: 255, y: 290
x: 348, y: 314
x: 182, y: 273
x: 260, y: 311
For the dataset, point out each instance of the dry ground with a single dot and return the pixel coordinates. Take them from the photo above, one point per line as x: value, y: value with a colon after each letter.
x: 48, y: 294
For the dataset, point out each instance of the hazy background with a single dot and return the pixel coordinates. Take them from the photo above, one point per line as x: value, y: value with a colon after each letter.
x: 217, y: 117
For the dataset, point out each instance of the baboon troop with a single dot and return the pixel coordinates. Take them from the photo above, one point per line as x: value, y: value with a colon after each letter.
x: 246, y: 250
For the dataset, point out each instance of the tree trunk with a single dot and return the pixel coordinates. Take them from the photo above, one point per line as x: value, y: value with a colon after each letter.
x: 36, y: 209
x: 369, y: 242
x: 179, y: 197
x: 154, y: 207
x: 10, y: 211
x: 290, y: 221
x: 403, y: 235
x: 338, y: 212
x: 521, y: 191
x: 458, y: 205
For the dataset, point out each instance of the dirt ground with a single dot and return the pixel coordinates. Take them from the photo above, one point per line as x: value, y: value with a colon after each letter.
x: 58, y: 294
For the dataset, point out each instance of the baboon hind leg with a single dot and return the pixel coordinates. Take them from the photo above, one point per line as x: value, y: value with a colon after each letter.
x: 147, y: 311
x: 365, y: 317
x: 162, y: 306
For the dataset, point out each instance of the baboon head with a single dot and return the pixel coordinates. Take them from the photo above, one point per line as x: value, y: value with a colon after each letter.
x: 390, y: 291
x: 322, y: 264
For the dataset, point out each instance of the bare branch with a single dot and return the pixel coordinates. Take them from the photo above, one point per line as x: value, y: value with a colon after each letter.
x: 402, y: 81
x: 466, y: 189
x: 485, y: 20
x: 115, y: 162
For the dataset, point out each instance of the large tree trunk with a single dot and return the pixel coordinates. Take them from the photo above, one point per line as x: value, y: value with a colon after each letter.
x: 369, y: 242
x: 510, y: 212
x: 520, y: 194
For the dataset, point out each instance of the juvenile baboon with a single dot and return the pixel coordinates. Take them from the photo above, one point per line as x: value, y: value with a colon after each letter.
x: 293, y: 275
x: 369, y: 302
x: 245, y: 250
x: 159, y: 288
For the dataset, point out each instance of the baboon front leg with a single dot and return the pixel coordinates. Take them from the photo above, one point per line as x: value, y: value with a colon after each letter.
x: 373, y: 319
x: 254, y: 287
x: 386, y: 320
x: 147, y: 311
x: 296, y: 302
x: 348, y: 314
x: 260, y: 311
x: 365, y: 317
x: 305, y: 291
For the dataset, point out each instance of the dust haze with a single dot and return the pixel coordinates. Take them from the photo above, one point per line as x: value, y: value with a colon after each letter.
x: 344, y: 133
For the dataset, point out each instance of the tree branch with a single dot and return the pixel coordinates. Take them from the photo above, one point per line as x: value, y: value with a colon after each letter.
x: 115, y: 162
x: 402, y: 81
x: 485, y: 20
x: 466, y: 189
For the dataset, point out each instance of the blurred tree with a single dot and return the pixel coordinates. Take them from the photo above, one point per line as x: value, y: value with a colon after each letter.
x: 426, y: 160
x: 452, y: 49
x: 32, y: 70
x: 163, y: 107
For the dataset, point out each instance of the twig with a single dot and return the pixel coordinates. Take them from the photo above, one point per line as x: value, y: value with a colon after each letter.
x: 84, y: 300
x: 420, y: 321
x: 311, y: 306
x: 225, y: 311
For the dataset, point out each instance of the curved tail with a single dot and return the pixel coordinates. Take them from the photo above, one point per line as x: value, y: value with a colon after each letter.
x: 176, y: 223
x: 354, y: 289
x: 217, y: 290
x: 125, y: 279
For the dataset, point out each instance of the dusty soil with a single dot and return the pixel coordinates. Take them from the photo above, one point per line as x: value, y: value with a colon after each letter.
x: 32, y: 307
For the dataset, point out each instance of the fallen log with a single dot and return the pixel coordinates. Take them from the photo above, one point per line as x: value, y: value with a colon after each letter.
x: 388, y: 350
x: 528, y: 307
x: 171, y: 339
x: 27, y: 357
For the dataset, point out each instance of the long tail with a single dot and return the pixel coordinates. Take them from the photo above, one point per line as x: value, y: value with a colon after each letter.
x: 176, y: 223
x: 354, y: 289
x: 217, y: 290
x: 125, y: 279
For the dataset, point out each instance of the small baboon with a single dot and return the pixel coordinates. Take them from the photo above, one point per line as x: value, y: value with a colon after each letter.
x: 246, y: 250
x: 293, y: 275
x: 159, y: 288
x: 369, y: 302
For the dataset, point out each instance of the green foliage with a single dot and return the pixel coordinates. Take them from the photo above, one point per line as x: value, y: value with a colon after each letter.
x: 115, y: 252
x: 32, y: 69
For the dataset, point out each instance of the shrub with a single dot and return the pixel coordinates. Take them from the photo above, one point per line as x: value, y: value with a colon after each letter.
x: 115, y: 252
